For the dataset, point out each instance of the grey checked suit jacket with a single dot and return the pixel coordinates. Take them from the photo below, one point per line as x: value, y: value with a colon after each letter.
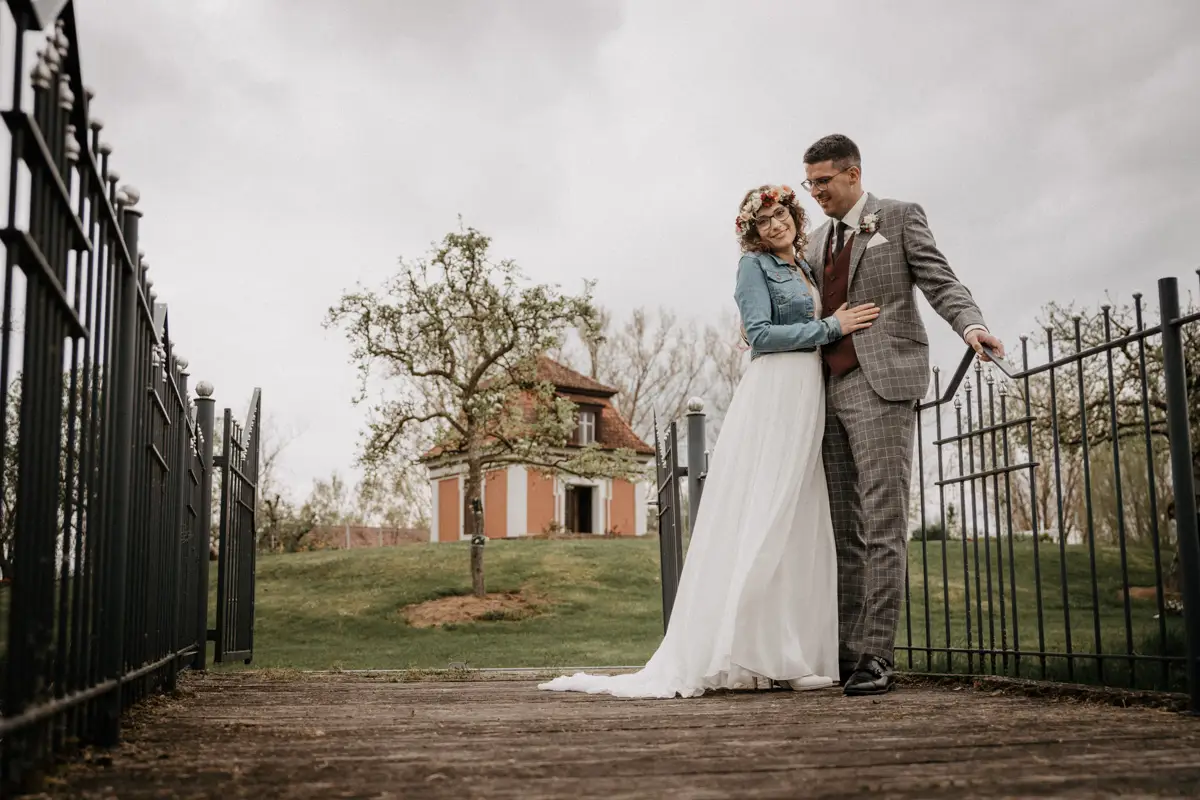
x: 894, y: 352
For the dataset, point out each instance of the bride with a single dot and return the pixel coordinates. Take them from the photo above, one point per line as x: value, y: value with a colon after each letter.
x: 758, y: 593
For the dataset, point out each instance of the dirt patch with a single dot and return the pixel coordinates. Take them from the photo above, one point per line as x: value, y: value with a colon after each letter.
x: 569, y: 536
x: 493, y: 607
x: 1147, y: 593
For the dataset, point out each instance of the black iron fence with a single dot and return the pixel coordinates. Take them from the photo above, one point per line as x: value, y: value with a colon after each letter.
x: 1053, y: 512
x: 1044, y: 542
x: 234, y: 634
x: 105, y: 486
x: 673, y: 519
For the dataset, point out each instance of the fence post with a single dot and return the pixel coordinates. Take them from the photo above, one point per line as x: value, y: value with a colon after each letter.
x: 112, y: 652
x: 205, y: 416
x: 1179, y: 435
x: 695, y: 458
x: 179, y: 374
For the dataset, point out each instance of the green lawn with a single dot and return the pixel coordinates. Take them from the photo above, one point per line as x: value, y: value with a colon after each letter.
x: 998, y: 628
x: 341, y: 609
x: 603, y: 607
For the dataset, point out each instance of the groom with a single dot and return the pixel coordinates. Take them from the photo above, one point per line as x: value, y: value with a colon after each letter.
x: 876, y: 251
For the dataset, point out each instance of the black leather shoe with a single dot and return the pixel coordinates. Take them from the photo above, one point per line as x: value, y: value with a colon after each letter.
x: 872, y: 675
x: 845, y: 670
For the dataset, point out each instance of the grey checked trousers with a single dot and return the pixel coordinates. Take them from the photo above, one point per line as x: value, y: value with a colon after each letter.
x: 868, y: 463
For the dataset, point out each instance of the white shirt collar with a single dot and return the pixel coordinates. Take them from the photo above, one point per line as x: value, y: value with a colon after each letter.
x: 854, y: 215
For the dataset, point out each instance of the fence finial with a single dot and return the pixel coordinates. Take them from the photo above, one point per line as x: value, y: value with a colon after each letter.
x: 51, y: 58
x: 204, y: 389
x: 41, y: 75
x: 71, y: 145
x: 66, y: 98
x: 127, y: 195
x: 60, y: 39
x: 695, y: 405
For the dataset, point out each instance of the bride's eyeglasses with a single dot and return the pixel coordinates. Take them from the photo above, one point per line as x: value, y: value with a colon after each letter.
x: 780, y: 215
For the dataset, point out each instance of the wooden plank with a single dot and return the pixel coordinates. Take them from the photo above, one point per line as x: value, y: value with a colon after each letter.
x: 250, y: 734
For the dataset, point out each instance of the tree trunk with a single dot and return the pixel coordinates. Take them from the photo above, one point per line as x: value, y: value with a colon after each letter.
x: 477, y: 585
x: 473, y: 491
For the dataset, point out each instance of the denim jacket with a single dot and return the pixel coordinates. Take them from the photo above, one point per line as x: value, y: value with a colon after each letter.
x: 777, y: 307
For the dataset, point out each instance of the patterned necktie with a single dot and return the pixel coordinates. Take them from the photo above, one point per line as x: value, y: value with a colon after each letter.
x: 841, y: 242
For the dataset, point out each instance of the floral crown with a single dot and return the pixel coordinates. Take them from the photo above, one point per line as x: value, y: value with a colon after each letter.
x: 772, y: 194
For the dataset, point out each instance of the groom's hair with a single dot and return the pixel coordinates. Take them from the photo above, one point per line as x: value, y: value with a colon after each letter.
x: 836, y: 148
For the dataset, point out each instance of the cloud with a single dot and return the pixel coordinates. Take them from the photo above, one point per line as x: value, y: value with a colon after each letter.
x: 287, y: 150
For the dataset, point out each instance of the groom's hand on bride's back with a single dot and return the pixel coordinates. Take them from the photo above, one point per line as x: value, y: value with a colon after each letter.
x: 857, y: 318
x: 979, y: 338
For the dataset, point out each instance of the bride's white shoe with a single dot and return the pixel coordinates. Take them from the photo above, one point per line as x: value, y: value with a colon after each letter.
x: 810, y: 682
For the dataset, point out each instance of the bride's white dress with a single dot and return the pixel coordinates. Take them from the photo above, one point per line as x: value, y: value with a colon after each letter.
x: 758, y: 593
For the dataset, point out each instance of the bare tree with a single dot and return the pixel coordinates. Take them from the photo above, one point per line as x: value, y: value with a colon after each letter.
x: 275, y: 510
x: 11, y: 466
x: 331, y: 502
x: 594, y: 335
x: 397, y: 496
x: 1130, y: 387
x: 656, y: 363
x: 728, y: 356
x: 72, y: 484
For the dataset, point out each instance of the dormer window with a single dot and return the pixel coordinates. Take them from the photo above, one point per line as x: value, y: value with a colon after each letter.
x: 585, y: 433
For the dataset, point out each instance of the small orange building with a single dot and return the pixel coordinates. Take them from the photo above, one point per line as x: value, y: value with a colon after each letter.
x: 518, y: 501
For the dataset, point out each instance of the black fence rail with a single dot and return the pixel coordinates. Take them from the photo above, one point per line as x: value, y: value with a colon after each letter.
x: 668, y: 472
x: 107, y: 468
x: 234, y: 634
x: 1056, y: 530
x: 1053, y: 513
x: 673, y: 523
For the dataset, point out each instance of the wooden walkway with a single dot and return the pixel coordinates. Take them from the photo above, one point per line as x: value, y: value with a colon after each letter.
x: 264, y: 735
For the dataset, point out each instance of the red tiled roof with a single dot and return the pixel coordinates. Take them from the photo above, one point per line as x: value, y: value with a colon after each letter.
x: 565, y: 379
x: 613, y: 431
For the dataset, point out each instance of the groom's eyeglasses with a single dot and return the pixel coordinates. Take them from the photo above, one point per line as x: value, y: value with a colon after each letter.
x: 823, y: 182
x: 780, y: 214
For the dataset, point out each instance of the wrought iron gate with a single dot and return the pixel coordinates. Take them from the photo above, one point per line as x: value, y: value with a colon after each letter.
x: 234, y: 633
x: 669, y: 472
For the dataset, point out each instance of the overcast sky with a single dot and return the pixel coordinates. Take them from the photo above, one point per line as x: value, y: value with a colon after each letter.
x: 287, y: 149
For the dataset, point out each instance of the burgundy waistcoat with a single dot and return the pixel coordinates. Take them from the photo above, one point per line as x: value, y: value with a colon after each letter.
x: 839, y: 356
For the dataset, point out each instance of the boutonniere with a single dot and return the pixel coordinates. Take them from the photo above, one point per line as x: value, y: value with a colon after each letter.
x: 869, y: 223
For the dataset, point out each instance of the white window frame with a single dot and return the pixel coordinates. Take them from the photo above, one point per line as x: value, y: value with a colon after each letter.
x: 589, y: 427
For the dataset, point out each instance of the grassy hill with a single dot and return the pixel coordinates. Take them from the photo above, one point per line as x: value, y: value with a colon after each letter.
x: 600, y: 604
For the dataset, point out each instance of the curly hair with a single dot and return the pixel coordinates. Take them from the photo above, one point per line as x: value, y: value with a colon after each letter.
x: 751, y: 242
